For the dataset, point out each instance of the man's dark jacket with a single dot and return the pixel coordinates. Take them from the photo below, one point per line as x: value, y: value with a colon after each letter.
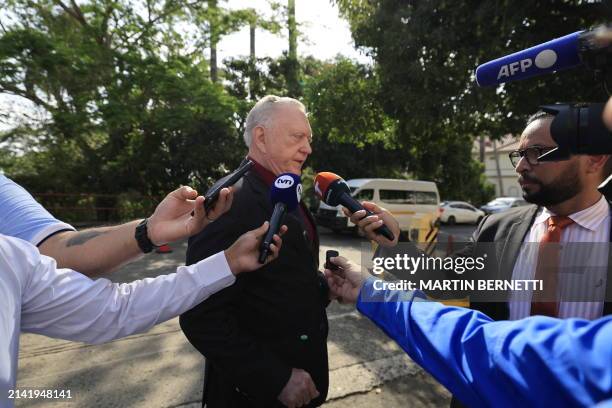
x: 270, y: 321
x: 508, y: 230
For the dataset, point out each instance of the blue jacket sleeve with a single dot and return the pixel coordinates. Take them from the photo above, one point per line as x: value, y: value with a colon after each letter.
x: 539, y: 361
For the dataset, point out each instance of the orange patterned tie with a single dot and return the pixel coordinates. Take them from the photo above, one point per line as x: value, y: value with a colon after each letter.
x: 548, y: 267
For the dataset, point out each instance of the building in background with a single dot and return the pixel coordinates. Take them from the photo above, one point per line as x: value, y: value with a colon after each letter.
x: 498, y: 168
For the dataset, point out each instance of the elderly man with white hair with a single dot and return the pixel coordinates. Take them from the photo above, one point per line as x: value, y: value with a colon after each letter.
x: 264, y: 339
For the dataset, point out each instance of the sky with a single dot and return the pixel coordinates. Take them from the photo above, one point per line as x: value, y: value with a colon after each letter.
x: 326, y: 33
x: 325, y: 36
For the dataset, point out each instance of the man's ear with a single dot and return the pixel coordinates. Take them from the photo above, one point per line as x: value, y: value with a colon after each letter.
x: 596, y: 162
x: 607, y: 115
x: 259, y: 138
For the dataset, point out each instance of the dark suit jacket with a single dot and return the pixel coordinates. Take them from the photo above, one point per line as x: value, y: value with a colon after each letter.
x: 510, y: 228
x: 270, y: 321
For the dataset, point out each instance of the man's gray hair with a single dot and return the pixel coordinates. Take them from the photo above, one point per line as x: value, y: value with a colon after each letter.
x: 263, y: 112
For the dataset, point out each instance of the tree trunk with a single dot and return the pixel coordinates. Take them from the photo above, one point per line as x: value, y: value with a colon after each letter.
x: 213, y: 63
x: 252, y: 32
x: 292, y: 29
x: 252, y: 61
x: 293, y: 67
x: 498, y: 168
x: 212, y: 5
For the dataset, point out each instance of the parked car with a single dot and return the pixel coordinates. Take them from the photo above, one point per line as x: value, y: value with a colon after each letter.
x: 452, y: 212
x: 413, y: 203
x: 502, y: 204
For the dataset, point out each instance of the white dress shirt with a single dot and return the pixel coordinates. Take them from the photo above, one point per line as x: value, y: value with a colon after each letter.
x: 583, y: 264
x: 37, y: 297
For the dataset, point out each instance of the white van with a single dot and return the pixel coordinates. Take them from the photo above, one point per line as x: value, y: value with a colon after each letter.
x: 415, y: 205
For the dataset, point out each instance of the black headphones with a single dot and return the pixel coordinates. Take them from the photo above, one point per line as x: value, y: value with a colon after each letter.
x: 578, y: 129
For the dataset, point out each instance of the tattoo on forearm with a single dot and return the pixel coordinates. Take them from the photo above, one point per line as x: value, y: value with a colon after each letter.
x: 82, y: 237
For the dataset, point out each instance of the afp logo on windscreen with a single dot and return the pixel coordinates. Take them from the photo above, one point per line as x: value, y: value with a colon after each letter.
x: 545, y: 59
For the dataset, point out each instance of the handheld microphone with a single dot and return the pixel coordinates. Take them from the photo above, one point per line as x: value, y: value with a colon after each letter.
x: 333, y: 190
x: 285, y: 195
x: 555, y: 55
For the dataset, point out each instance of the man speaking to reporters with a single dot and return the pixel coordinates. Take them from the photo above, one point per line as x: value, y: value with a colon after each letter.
x: 265, y: 338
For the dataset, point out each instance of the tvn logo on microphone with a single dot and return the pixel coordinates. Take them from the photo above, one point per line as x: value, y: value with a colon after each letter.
x: 284, y: 182
x: 545, y: 59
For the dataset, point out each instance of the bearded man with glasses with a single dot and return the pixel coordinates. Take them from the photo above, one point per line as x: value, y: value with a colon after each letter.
x: 568, y: 209
x: 563, y: 239
x: 569, y: 185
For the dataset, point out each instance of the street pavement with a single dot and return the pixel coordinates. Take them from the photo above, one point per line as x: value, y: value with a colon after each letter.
x: 161, y: 369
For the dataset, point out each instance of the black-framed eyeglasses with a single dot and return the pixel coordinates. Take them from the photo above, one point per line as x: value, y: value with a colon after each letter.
x: 531, y: 154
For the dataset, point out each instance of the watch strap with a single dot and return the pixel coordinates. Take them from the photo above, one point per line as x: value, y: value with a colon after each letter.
x: 142, y: 237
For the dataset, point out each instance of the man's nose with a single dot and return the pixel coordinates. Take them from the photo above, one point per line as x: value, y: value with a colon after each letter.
x: 306, y: 148
x: 522, y: 165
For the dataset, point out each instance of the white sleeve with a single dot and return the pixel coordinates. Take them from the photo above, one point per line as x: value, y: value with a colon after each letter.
x: 65, y: 304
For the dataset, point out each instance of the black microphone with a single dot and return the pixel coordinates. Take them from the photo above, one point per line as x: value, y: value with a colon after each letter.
x: 285, y: 195
x: 333, y: 190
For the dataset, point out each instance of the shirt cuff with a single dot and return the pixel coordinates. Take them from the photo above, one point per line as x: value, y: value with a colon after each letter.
x: 365, y: 304
x: 373, y: 294
x: 214, y: 272
x: 49, y: 230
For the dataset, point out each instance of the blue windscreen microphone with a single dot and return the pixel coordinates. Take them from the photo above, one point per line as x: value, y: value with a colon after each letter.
x: 285, y: 196
x: 555, y: 55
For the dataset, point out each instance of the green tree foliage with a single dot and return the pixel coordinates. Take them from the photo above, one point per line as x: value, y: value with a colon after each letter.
x: 129, y: 106
x: 426, y: 53
x: 352, y: 135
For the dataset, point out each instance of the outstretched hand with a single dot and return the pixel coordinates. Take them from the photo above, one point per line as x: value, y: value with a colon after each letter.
x: 243, y: 255
x: 368, y: 225
x: 181, y: 214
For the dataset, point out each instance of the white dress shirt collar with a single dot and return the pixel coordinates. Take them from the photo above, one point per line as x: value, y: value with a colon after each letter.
x: 589, y: 218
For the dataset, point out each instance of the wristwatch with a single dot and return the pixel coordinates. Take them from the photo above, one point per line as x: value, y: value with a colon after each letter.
x: 142, y: 237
